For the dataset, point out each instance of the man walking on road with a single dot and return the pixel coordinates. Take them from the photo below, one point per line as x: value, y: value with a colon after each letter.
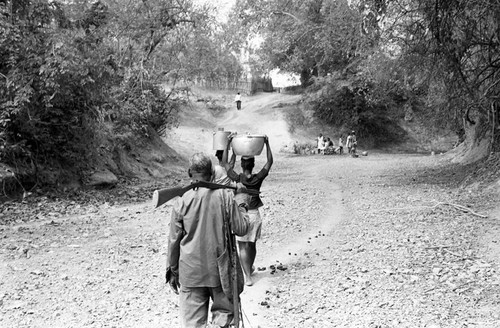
x: 196, y: 241
x: 237, y: 99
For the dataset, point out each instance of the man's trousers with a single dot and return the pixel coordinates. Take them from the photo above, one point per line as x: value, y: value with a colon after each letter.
x: 194, y: 303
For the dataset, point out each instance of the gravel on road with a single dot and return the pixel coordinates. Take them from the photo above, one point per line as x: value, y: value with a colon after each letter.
x: 386, y: 240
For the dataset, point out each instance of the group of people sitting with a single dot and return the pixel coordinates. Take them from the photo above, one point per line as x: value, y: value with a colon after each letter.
x: 327, y: 147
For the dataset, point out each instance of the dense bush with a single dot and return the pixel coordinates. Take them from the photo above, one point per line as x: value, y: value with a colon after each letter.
x: 51, y: 91
x: 438, y: 60
x: 355, y: 105
x: 138, y: 107
x: 71, y: 72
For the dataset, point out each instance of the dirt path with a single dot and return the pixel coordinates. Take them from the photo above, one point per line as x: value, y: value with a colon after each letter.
x: 303, y: 204
x: 257, y: 116
x: 364, y: 242
x: 394, y: 259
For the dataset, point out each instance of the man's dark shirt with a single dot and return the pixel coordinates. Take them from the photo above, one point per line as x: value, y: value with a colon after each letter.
x: 254, y: 183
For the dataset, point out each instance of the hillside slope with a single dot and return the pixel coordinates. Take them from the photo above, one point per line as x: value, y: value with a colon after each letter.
x: 285, y: 120
x: 258, y: 115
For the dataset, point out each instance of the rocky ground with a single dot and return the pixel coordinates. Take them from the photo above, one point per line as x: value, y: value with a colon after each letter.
x: 402, y: 252
x: 386, y: 240
x: 376, y: 241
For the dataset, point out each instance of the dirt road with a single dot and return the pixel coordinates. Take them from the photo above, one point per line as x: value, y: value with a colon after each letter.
x: 375, y: 241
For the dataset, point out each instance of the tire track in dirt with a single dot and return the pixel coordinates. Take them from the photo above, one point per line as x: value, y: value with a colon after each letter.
x: 257, y: 116
x: 310, y: 224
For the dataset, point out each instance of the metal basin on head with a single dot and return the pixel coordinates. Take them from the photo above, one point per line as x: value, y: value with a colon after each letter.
x: 248, y: 144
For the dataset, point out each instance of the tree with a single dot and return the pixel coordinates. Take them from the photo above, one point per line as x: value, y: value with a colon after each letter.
x: 72, y: 71
x: 439, y: 57
x: 310, y: 38
x: 51, y: 90
x: 458, y: 43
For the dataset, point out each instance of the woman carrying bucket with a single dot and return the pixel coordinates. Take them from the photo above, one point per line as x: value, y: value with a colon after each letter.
x: 247, y: 243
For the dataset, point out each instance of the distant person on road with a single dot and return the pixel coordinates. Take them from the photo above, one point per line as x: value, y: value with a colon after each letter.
x: 237, y: 99
x: 196, y: 240
x: 348, y: 143
x: 354, y: 142
x: 329, y: 150
x: 341, y: 145
x: 321, y: 143
x: 247, y: 243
